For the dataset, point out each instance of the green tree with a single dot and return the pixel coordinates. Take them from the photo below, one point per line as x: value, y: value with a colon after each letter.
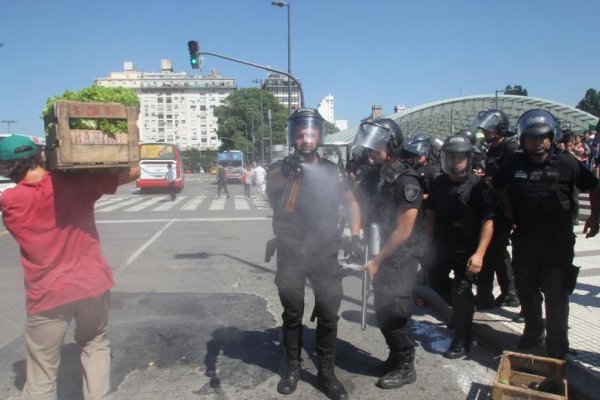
x: 330, y: 128
x: 590, y: 102
x: 517, y: 90
x: 241, y: 114
x: 194, y: 158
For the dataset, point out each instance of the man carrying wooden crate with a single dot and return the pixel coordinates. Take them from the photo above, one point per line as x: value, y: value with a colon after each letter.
x: 51, y: 216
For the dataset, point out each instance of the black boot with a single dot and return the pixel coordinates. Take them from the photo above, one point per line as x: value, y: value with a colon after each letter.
x: 387, y: 365
x: 462, y: 317
x: 458, y: 349
x: 290, y: 375
x: 530, y: 340
x: 509, y: 299
x: 403, y: 372
x: 327, y: 382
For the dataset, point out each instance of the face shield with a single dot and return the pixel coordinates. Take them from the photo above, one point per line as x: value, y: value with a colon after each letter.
x: 305, y: 133
x: 373, y: 136
x: 457, y: 165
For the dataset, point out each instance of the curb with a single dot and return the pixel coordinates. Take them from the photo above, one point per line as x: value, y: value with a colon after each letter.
x: 496, y: 336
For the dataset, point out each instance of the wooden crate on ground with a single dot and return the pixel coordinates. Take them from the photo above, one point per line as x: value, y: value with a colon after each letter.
x: 68, y: 148
x: 525, y: 376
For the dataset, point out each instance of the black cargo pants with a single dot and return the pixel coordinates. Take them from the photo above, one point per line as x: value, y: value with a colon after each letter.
x: 296, y: 264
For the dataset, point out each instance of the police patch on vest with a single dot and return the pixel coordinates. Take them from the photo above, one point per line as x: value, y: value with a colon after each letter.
x: 411, y: 192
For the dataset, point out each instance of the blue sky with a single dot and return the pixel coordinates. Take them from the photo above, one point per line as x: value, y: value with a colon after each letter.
x: 383, y: 52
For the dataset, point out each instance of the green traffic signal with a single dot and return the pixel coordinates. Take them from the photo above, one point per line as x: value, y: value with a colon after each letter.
x: 193, y: 49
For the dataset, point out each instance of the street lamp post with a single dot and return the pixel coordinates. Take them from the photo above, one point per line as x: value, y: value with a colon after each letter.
x: 8, y: 122
x: 270, y: 117
x: 289, y: 69
x: 245, y: 140
x: 262, y: 119
x: 496, y: 97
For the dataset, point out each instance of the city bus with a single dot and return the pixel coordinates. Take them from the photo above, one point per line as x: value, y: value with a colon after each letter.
x: 154, y: 158
x: 233, y: 162
x: 6, y: 182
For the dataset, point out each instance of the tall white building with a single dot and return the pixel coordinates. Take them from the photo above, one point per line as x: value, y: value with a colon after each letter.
x: 326, y: 108
x: 175, y: 107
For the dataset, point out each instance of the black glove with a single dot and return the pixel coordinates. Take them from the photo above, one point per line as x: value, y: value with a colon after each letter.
x: 291, y: 164
x: 354, y: 249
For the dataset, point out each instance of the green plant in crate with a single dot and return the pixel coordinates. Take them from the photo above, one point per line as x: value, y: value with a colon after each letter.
x: 99, y: 94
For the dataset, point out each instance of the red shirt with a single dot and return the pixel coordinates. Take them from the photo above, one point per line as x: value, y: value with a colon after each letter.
x: 53, y: 222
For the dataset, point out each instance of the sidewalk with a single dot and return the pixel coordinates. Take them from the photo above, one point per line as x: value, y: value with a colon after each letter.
x: 495, y: 328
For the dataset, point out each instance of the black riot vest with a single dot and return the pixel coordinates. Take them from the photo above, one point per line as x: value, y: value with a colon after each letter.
x: 388, y: 191
x: 540, y: 208
x: 458, y: 224
x: 314, y: 219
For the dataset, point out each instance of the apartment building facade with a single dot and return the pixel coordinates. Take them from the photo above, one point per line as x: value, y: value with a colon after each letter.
x: 175, y: 107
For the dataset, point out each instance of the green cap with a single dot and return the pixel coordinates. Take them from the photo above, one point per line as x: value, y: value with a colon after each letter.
x: 16, y: 147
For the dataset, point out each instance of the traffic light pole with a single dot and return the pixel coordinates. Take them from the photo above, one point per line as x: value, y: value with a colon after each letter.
x: 261, y: 67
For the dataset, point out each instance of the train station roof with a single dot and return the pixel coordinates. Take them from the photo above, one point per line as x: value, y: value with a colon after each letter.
x: 446, y: 117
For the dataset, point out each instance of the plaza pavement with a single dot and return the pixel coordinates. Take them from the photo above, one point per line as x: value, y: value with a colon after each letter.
x: 497, y: 329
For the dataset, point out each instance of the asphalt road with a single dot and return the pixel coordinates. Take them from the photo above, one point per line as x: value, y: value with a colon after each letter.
x: 195, y: 312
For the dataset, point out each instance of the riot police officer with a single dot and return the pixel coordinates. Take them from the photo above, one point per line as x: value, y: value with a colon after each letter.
x: 305, y: 192
x: 416, y: 152
x: 398, y: 200
x: 537, y: 185
x: 494, y: 123
x: 459, y: 230
x: 478, y: 164
x: 436, y: 148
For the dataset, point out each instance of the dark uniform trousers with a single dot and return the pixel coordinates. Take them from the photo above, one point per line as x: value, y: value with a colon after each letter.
x: 448, y: 258
x: 296, y: 264
x: 497, y: 260
x: 393, y: 286
x: 542, y: 266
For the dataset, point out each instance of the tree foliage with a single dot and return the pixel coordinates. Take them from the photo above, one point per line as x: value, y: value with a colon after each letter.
x: 590, y: 102
x: 517, y: 90
x: 241, y: 113
x: 195, y: 158
x: 330, y: 128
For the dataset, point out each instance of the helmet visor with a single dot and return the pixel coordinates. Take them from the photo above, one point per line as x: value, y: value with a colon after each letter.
x: 310, y: 129
x: 485, y: 120
x: 456, y: 164
x: 373, y: 136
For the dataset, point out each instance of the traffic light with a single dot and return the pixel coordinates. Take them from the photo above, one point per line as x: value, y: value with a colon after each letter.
x: 193, y: 48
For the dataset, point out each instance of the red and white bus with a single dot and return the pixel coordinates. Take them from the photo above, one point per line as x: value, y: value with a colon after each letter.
x: 154, y: 158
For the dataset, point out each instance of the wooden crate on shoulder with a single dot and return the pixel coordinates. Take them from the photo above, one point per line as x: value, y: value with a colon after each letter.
x: 525, y: 376
x: 68, y: 148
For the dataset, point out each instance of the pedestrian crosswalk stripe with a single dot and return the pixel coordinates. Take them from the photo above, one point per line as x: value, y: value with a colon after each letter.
x: 170, y: 204
x: 217, y: 204
x: 241, y: 203
x: 120, y: 205
x: 144, y: 204
x: 107, y: 201
x: 131, y: 204
x: 193, y: 204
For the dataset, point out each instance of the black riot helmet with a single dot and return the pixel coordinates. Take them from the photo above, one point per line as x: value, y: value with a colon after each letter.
x: 492, y: 120
x: 456, y: 150
x: 539, y: 123
x: 420, y: 136
x: 467, y: 133
x: 414, y: 147
x: 306, y: 121
x: 381, y: 133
